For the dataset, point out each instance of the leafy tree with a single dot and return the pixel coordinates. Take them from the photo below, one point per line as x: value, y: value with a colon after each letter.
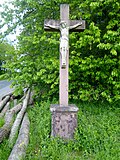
x: 5, y: 54
x: 98, y: 51
x: 94, y: 53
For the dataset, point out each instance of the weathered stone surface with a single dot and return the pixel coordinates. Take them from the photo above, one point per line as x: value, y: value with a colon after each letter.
x: 64, y: 121
x: 71, y: 23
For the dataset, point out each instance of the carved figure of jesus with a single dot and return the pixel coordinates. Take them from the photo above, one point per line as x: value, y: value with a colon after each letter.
x: 64, y: 39
x: 64, y: 47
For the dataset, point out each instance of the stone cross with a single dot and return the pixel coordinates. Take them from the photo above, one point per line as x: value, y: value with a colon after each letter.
x: 64, y: 25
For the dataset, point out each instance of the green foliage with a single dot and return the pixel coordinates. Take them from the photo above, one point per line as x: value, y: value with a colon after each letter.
x: 5, y: 54
x: 94, y: 53
x: 95, y: 70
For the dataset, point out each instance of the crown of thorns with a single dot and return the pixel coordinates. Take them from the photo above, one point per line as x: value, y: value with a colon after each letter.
x: 63, y: 24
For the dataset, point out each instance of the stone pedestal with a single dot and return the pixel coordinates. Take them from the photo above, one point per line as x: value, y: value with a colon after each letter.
x: 64, y: 120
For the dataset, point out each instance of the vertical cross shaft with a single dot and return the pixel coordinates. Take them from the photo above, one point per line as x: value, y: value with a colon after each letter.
x: 63, y: 85
x: 64, y: 25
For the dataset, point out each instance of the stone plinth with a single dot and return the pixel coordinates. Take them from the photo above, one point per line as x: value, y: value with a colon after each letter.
x: 64, y: 120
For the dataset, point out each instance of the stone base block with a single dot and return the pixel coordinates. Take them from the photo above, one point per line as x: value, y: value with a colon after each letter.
x: 64, y: 120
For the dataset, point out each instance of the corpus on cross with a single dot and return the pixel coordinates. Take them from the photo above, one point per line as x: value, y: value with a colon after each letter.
x: 64, y: 38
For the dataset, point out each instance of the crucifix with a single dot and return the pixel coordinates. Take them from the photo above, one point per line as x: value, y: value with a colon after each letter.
x: 64, y: 25
x: 60, y: 120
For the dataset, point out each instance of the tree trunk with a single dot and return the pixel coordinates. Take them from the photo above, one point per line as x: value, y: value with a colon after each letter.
x: 4, y: 131
x: 19, y: 118
x: 19, y: 148
x: 5, y: 109
x: 31, y: 100
x: 4, y: 101
x: 16, y: 108
x: 9, y: 116
x: 15, y: 102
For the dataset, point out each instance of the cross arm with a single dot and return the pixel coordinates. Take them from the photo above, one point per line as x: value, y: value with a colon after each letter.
x: 77, y: 25
x: 51, y: 25
x: 74, y: 25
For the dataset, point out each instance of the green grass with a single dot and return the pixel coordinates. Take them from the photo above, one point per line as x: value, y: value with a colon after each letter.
x: 97, y: 135
x: 96, y: 138
x: 4, y: 150
x: 2, y: 121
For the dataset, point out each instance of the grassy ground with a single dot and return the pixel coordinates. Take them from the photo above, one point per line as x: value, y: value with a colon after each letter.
x: 96, y: 138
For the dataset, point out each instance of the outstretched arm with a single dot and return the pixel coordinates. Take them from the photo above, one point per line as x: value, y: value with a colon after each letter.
x: 51, y: 26
x: 76, y: 25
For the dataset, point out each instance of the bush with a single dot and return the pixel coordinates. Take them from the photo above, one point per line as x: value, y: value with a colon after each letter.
x: 94, y: 53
